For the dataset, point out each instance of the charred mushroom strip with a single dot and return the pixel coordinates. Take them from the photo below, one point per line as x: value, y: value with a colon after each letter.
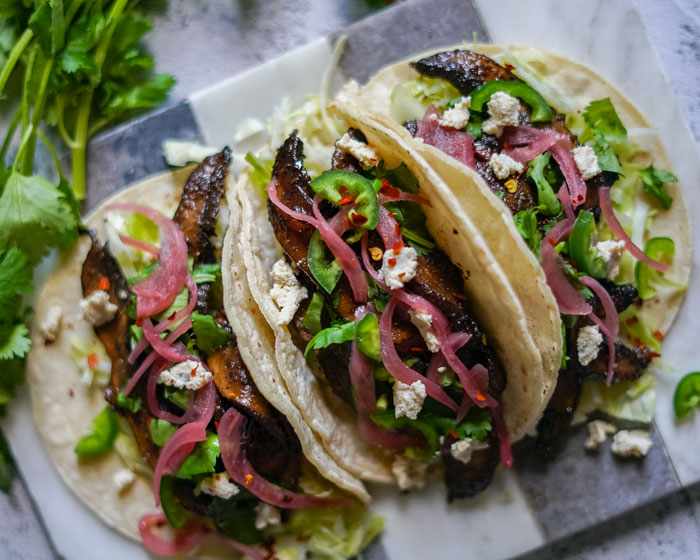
x: 114, y: 335
x: 466, y: 481
x: 630, y: 363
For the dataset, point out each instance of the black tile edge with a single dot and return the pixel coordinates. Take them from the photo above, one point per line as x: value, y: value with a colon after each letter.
x: 416, y: 25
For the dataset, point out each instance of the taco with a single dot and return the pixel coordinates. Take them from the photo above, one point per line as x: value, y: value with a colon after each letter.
x: 530, y: 141
x: 198, y: 419
x: 382, y: 292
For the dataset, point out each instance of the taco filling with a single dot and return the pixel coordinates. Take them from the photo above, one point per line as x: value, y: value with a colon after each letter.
x: 224, y: 460
x: 382, y: 317
x: 557, y: 185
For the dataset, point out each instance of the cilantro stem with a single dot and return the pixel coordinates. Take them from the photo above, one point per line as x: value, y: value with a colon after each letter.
x: 60, y: 109
x: 52, y: 151
x: 10, y: 134
x: 80, y: 149
x: 15, y: 53
x: 37, y: 114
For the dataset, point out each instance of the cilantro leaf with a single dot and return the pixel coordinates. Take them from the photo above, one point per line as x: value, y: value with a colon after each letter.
x: 653, y: 182
x: 161, y: 431
x: 209, y: 335
x: 129, y: 403
x: 120, y: 99
x: 14, y: 341
x: 545, y: 194
x: 335, y: 334
x: 33, y: 213
x: 202, y: 459
x: 206, y: 273
x: 235, y: 518
x: 15, y: 279
x: 601, y: 117
x: 526, y: 224
x: 606, y: 157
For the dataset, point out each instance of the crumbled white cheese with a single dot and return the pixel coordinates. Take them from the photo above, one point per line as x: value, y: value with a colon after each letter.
x: 97, y: 309
x: 398, y: 268
x: 611, y: 252
x: 433, y: 116
x: 219, y: 485
x: 267, y: 516
x: 458, y: 116
x: 408, y: 399
x: 51, y: 324
x: 442, y: 369
x: 424, y: 322
x: 287, y: 292
x: 122, y: 479
x: 587, y: 344
x: 408, y: 473
x: 123, y: 294
x: 462, y: 449
x: 586, y: 161
x: 359, y: 150
x: 503, y: 166
x: 190, y: 374
x: 503, y: 111
x: 598, y: 431
x: 631, y: 443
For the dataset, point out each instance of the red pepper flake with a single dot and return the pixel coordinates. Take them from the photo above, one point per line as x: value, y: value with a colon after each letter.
x: 93, y: 360
x: 104, y: 284
x: 459, y: 296
x: 480, y: 396
x: 216, y: 425
x: 392, y: 262
x: 552, y: 242
x: 343, y: 190
x: 172, y: 316
x: 149, y: 420
x: 638, y: 343
x: 401, y: 275
x: 347, y: 200
x: 509, y: 67
x: 248, y: 479
x: 139, y: 322
x: 376, y: 253
x: 231, y: 396
x: 506, y: 146
x: 415, y: 349
x: 71, y: 393
x: 397, y: 230
x: 397, y: 247
x: 632, y: 321
x: 253, y: 310
x: 454, y: 434
x: 654, y: 355
x: 389, y: 191
x: 163, y: 366
x: 194, y: 371
x: 658, y: 335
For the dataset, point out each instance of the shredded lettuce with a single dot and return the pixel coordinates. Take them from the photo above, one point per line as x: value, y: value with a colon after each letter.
x: 83, y: 352
x: 631, y: 400
x: 179, y: 153
x: 409, y: 100
x: 128, y: 450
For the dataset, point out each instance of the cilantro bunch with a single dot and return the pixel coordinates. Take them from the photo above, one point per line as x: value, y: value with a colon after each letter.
x: 76, y: 66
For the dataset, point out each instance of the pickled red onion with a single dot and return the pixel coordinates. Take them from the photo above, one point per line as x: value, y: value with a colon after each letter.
x: 165, y: 350
x: 620, y: 233
x: 140, y: 245
x: 387, y: 439
x: 612, y: 320
x: 345, y: 255
x: 368, y: 265
x: 231, y: 429
x: 185, y: 538
x: 524, y: 143
x: 561, y: 152
x: 503, y: 439
x: 455, y: 143
x: 175, y: 451
x: 395, y: 366
x: 568, y: 298
x: 478, y: 393
x: 404, y: 196
x: 167, y: 323
x: 272, y: 194
x: 181, y: 329
x: 199, y: 407
x: 157, y: 291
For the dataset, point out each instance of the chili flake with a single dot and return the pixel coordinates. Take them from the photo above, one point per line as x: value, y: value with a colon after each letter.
x: 139, y: 322
x: 93, y: 360
x: 104, y: 284
x: 194, y: 371
x: 397, y: 229
x: 454, y: 434
x: 391, y: 262
x: 376, y: 253
x: 346, y: 200
x: 480, y: 396
x: 397, y: 247
x: 231, y: 396
x: 248, y: 479
x: 658, y: 335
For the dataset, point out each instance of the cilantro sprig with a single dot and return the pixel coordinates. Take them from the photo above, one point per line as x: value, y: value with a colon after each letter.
x: 76, y: 66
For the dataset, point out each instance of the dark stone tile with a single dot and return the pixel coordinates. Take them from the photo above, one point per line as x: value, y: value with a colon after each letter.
x: 576, y: 489
x: 133, y: 150
x: 407, y: 27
